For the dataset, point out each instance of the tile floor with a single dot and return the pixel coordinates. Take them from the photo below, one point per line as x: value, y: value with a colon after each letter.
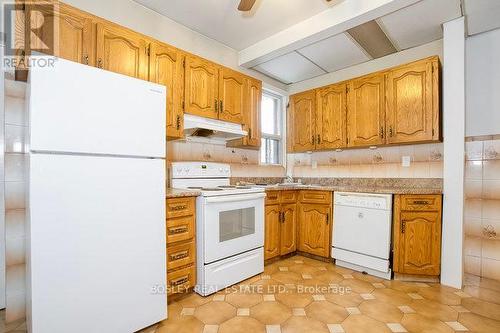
x: 299, y: 294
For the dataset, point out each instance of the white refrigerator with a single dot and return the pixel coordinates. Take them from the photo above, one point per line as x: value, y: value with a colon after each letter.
x: 96, y: 201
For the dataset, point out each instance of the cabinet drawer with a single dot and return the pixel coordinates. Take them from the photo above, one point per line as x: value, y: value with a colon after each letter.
x: 288, y: 197
x: 181, y: 280
x: 181, y: 254
x: 180, y: 229
x: 421, y: 202
x: 177, y: 207
x: 319, y: 197
x: 272, y: 197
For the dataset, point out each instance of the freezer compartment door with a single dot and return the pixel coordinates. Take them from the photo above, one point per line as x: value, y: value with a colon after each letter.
x: 90, y: 110
x: 96, y: 247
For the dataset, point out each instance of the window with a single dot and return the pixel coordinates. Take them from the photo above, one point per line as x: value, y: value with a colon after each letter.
x: 271, y: 120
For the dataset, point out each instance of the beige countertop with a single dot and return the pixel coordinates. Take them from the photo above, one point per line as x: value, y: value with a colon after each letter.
x: 359, y: 189
x: 180, y: 193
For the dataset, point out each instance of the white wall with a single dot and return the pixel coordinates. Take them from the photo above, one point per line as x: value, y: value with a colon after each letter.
x: 454, y: 157
x: 483, y: 84
x: 141, y: 19
x: 395, y: 59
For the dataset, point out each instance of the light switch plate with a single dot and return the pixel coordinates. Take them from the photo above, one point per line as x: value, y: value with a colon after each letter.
x: 406, y: 161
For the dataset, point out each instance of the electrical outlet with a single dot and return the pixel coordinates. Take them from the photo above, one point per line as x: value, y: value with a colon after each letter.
x: 406, y: 161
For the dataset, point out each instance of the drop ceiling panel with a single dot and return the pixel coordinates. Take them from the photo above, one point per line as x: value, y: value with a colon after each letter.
x: 420, y: 23
x: 335, y: 53
x: 482, y: 15
x: 290, y: 68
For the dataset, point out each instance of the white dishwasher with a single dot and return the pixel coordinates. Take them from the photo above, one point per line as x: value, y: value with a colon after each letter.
x: 362, y: 232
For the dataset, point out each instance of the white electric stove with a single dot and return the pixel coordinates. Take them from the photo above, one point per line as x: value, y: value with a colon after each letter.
x: 229, y: 224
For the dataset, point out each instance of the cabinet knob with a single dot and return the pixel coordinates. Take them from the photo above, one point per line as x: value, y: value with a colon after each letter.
x: 216, y: 105
x: 86, y: 59
x: 221, y: 106
x: 403, y: 226
x: 381, y: 132
x: 319, y: 139
x: 99, y: 63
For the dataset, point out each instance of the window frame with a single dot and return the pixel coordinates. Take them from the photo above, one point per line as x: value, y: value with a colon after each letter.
x: 281, y: 104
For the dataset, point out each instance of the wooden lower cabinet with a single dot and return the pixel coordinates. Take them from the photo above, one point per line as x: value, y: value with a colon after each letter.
x: 294, y: 223
x: 280, y: 226
x: 288, y: 233
x: 314, y: 229
x: 417, y: 234
x: 181, y: 245
x: 272, y: 232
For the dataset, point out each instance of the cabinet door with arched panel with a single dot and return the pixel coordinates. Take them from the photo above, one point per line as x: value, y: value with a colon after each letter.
x: 412, y: 102
x: 201, y: 90
x: 366, y: 111
x: 122, y: 51
x: 166, y: 68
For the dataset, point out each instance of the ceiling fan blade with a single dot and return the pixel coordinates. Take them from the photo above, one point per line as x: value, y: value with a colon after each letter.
x: 246, y: 5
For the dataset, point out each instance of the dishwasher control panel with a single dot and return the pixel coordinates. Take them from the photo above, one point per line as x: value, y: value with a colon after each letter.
x: 363, y: 200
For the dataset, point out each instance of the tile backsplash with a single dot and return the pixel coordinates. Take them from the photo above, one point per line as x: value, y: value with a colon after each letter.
x: 14, y: 185
x: 482, y: 207
x: 244, y: 162
x: 426, y: 161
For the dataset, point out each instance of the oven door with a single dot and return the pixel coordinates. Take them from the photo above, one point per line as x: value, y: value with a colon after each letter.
x: 232, y: 224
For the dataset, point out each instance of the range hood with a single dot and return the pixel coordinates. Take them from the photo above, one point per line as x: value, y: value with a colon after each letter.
x: 217, y: 130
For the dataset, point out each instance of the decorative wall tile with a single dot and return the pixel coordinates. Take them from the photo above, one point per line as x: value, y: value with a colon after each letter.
x: 491, y: 189
x: 15, y: 139
x: 491, y: 249
x: 474, y: 150
x: 14, y: 167
x: 491, y: 170
x: 473, y: 208
x: 15, y: 112
x: 472, y: 246
x: 472, y: 265
x: 490, y: 268
x: 474, y: 170
x: 15, y: 195
x: 492, y: 150
x: 482, y: 203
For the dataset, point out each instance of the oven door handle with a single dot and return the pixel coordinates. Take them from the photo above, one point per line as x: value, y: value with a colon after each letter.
x: 235, y: 198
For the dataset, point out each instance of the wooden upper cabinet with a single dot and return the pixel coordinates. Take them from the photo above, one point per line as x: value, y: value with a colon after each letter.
x: 366, y: 111
x: 252, y: 111
x: 231, y: 95
x: 166, y: 68
x: 288, y: 228
x: 331, y: 117
x: 302, y: 115
x: 122, y: 51
x: 314, y: 229
x: 201, y: 88
x: 71, y: 33
x: 251, y: 116
x: 272, y: 232
x: 412, y: 105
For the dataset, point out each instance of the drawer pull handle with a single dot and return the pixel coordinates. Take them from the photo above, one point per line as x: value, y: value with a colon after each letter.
x: 179, y: 230
x: 177, y: 208
x: 420, y: 202
x: 179, y: 255
x: 403, y: 227
x: 180, y: 281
